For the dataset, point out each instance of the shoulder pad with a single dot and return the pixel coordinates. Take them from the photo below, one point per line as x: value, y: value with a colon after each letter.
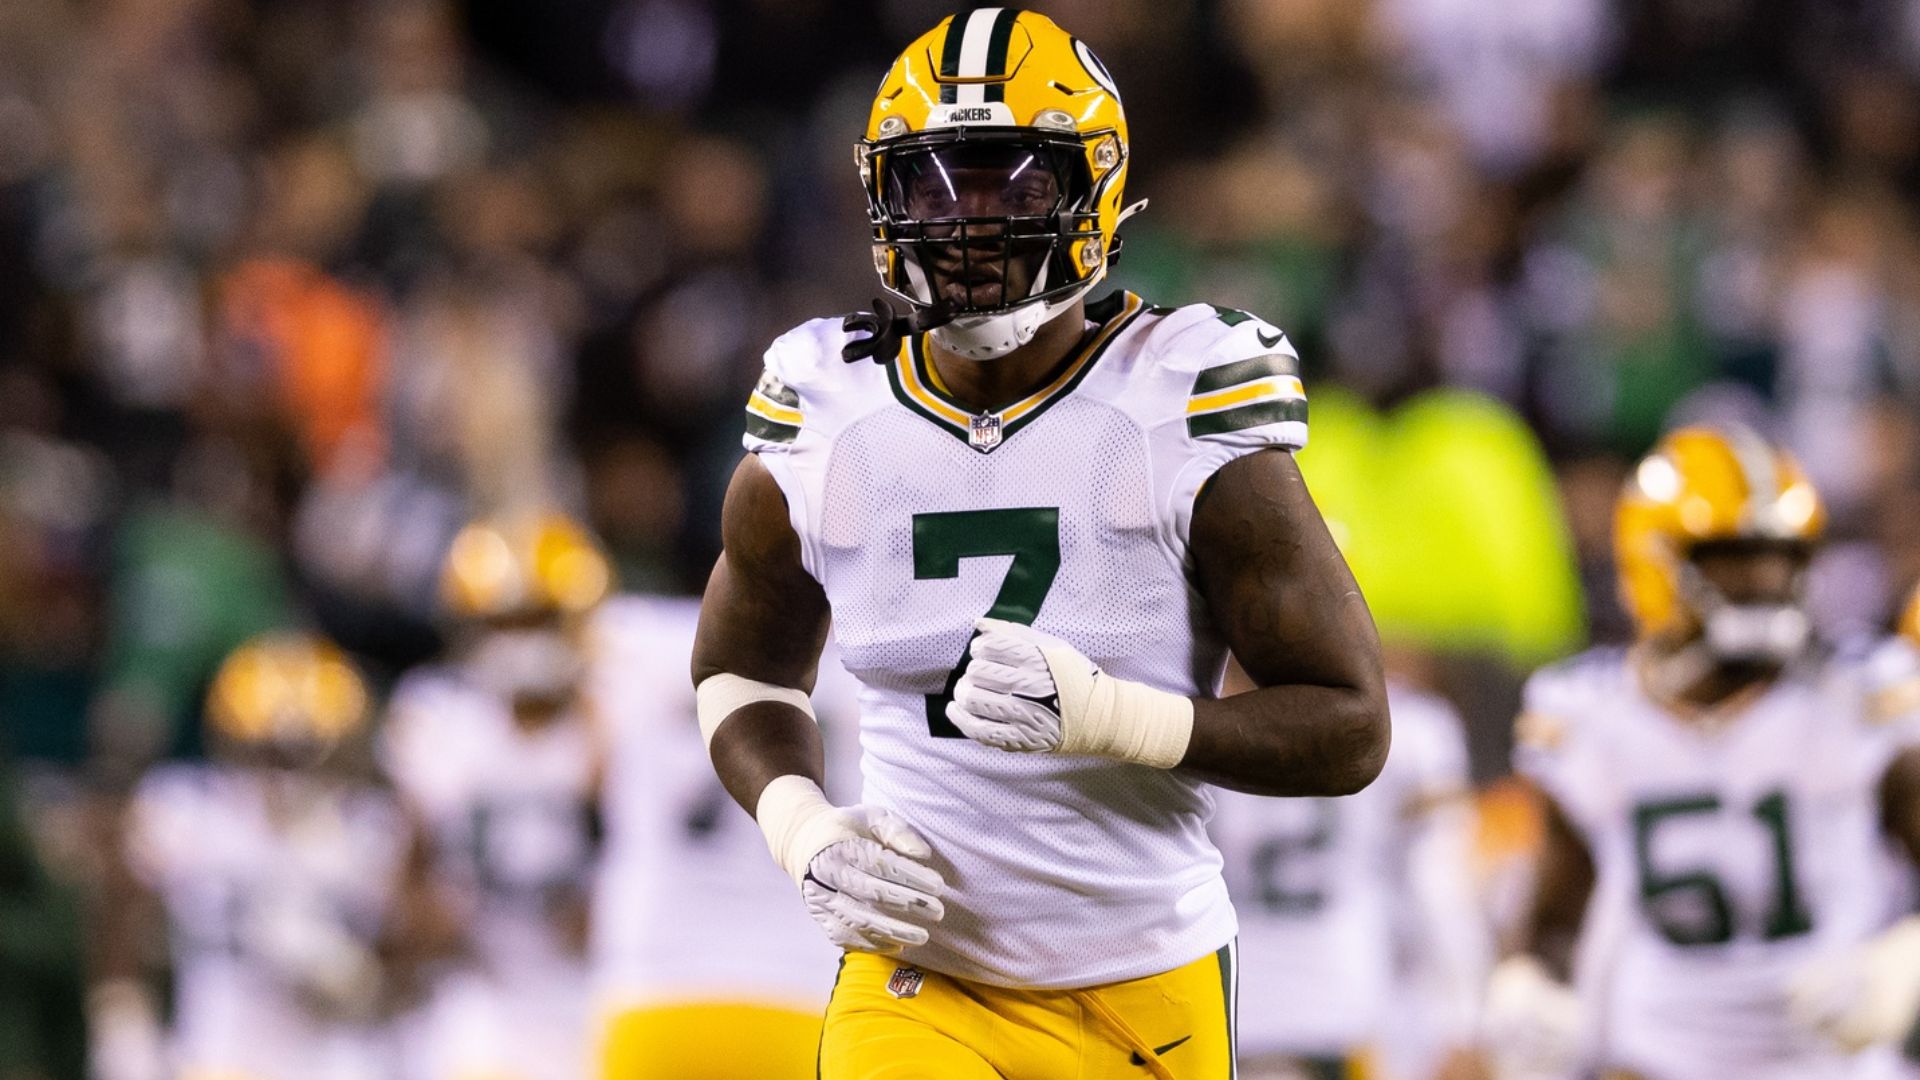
x: 796, y: 364
x: 1892, y: 675
x: 1241, y: 374
x: 1556, y: 695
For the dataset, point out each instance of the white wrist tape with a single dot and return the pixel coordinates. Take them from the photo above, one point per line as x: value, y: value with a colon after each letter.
x: 720, y: 696
x: 798, y: 821
x: 1115, y: 718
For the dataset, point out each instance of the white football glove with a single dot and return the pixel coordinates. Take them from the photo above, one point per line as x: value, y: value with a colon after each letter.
x: 1028, y: 691
x: 1866, y: 995
x: 310, y: 948
x: 1533, y: 1022
x: 861, y: 869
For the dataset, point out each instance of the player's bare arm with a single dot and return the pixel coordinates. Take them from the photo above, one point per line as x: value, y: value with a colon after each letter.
x: 1900, y: 803
x: 763, y: 618
x: 763, y: 623
x: 1286, y: 603
x: 1533, y: 1017
x: 1563, y: 884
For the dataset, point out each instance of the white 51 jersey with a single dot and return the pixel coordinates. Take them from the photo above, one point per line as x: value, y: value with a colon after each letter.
x: 1068, y: 511
x: 1730, y: 850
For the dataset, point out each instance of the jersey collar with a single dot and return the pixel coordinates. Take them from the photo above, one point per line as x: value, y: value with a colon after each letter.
x: 914, y: 383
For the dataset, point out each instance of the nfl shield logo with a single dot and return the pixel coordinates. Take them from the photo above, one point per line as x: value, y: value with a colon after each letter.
x: 905, y: 982
x: 984, y: 432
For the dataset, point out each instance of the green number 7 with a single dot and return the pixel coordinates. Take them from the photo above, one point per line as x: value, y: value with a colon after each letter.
x: 1031, y: 535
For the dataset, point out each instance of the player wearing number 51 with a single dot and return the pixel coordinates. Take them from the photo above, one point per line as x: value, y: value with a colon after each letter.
x: 1037, y: 524
x: 1721, y: 801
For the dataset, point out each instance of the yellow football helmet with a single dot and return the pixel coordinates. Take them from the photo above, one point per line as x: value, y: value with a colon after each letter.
x: 288, y: 689
x: 995, y: 164
x: 540, y: 564
x: 1702, y: 485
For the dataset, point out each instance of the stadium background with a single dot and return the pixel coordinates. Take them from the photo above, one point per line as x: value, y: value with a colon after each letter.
x: 290, y: 289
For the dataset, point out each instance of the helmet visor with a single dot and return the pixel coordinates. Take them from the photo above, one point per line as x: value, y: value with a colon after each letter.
x: 982, y: 225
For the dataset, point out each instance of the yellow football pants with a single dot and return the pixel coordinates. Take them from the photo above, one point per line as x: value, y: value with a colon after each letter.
x: 1173, y: 1026
x: 710, y: 1042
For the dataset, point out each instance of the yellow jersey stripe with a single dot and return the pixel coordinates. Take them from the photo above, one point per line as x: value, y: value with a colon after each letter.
x: 910, y: 381
x: 1086, y: 355
x: 1278, y: 387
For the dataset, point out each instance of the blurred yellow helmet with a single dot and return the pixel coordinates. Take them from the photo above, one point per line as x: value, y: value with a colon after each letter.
x: 1008, y: 98
x: 1909, y: 627
x: 545, y: 563
x: 287, y: 688
x: 1701, y: 485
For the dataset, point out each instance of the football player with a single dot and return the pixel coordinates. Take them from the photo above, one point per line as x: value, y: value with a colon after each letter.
x: 697, y: 939
x: 273, y: 864
x: 1038, y: 525
x: 1352, y: 910
x: 497, y: 762
x: 1721, y: 800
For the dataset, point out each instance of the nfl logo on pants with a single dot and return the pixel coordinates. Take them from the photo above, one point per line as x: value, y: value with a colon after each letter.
x: 906, y: 982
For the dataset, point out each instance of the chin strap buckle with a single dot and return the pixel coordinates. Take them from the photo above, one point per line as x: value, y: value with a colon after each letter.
x: 886, y: 328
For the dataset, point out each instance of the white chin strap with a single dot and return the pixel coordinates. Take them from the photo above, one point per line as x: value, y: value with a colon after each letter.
x: 1745, y: 633
x: 986, y: 337
x: 1757, y: 633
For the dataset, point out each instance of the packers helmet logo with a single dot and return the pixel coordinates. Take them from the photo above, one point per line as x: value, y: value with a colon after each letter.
x: 1094, y: 67
x: 906, y: 982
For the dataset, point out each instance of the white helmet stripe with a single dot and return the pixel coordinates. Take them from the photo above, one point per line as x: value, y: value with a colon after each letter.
x: 975, y: 42
x: 1760, y: 468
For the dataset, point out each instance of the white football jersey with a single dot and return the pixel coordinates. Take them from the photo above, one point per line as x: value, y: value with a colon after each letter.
x: 690, y: 907
x: 512, y: 822
x: 1729, y: 852
x: 257, y: 886
x: 1068, y: 510
x: 1315, y: 883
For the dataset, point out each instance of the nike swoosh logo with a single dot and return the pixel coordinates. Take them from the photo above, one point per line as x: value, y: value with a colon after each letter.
x: 1158, y: 1050
x: 1269, y: 342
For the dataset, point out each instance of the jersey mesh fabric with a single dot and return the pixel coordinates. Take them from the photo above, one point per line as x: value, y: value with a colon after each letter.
x: 1063, y: 871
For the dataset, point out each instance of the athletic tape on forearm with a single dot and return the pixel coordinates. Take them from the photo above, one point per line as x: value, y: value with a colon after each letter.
x: 1115, y: 718
x: 720, y: 696
x: 798, y: 821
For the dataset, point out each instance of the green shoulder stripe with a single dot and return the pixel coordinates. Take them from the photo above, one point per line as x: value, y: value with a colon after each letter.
x: 762, y: 428
x: 1246, y: 416
x: 1240, y: 371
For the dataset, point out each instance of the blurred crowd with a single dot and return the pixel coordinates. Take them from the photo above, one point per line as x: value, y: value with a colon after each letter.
x: 290, y: 290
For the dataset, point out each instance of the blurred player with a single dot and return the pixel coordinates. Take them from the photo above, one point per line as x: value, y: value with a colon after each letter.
x: 1038, y: 525
x: 697, y: 941
x: 498, y: 764
x: 1721, y: 801
x: 1336, y: 896
x: 273, y: 864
